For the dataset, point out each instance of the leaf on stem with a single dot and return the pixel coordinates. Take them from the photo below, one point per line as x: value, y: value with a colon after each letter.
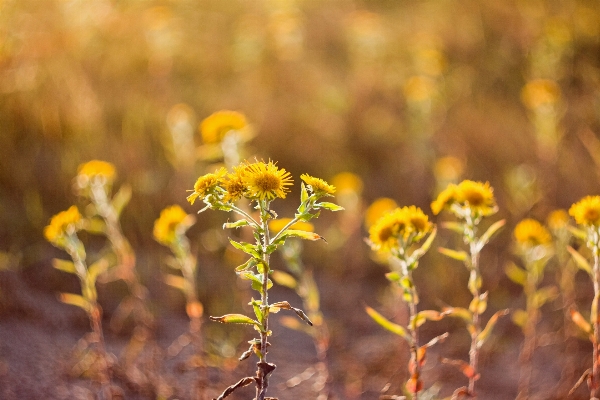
x: 580, y: 260
x: 423, y: 316
x: 247, y: 265
x: 121, y: 199
x: 463, y: 367
x: 459, y: 312
x: 519, y: 317
x: 241, y: 383
x: 454, y: 226
x: 299, y: 234
x: 435, y: 340
x: 578, y: 233
x: 491, y: 231
x: 178, y: 282
x: 423, y: 249
x: 75, y: 300
x: 245, y: 247
x: 580, y: 321
x: 545, y: 294
x: 485, y: 333
x: 329, y: 206
x: 96, y: 269
x: 515, y: 274
x: 235, y: 319
x: 236, y: 224
x: 457, y: 255
x: 284, y: 305
x: 387, y: 324
x: 64, y: 265
x: 96, y: 226
x: 479, y: 304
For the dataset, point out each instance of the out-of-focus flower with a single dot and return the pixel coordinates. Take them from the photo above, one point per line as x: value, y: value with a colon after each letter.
x: 419, y: 88
x: 377, y: 209
x: 61, y: 225
x: 448, y: 169
x: 234, y: 185
x: 96, y: 169
x: 558, y: 219
x: 530, y: 233
x: 347, y: 181
x: 173, y: 221
x: 406, y: 224
x: 586, y: 211
x: 476, y: 196
x: 265, y: 181
x: 214, y: 127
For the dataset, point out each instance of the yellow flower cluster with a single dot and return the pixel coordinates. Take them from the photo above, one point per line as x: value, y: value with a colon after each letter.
x: 97, y: 168
x: 62, y: 224
x: 255, y: 181
x: 476, y: 196
x: 214, y: 127
x: 531, y: 233
x: 407, y: 223
x: 587, y: 211
x: 168, y: 224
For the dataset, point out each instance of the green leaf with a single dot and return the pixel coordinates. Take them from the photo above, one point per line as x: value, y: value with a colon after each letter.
x: 459, y: 312
x: 284, y: 279
x: 236, y: 224
x: 390, y: 326
x: 454, y: 226
x: 580, y: 260
x: 235, y: 319
x: 247, y: 265
x: 578, y: 233
x: 492, y: 230
x: 121, y: 198
x: 479, y: 304
x: 393, y: 276
x: 329, y: 206
x: 97, y: 268
x: 257, y: 310
x: 519, y: 317
x: 64, y: 265
x: 247, y: 248
x: 423, y: 316
x: 543, y: 295
x: 303, y: 194
x: 284, y: 305
x: 457, y: 255
x: 96, y: 226
x: 515, y: 274
x: 485, y: 333
x: 297, y: 233
x: 425, y: 247
x: 75, y: 300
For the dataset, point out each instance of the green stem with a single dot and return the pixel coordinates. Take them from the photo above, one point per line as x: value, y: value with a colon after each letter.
x: 529, y: 343
x: 596, y: 337
x: 263, y: 372
x: 414, y: 348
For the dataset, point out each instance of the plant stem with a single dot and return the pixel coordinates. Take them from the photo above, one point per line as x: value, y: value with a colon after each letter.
x: 263, y: 372
x: 525, y: 358
x: 596, y: 338
x: 414, y: 348
x: 474, y: 350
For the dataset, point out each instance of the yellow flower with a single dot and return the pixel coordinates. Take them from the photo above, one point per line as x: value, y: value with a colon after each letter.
x: 172, y: 221
x: 478, y: 196
x: 558, y: 219
x: 377, y: 209
x: 445, y: 199
x: 586, y: 211
x: 347, y: 181
x: 95, y: 169
x: 318, y: 186
x: 234, y: 185
x: 62, y: 224
x: 406, y: 223
x: 419, y: 88
x: 214, y: 127
x: 531, y: 233
x: 206, y: 184
x: 266, y: 181
x: 275, y: 225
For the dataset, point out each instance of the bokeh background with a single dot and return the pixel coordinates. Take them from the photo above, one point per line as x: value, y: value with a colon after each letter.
x: 405, y: 95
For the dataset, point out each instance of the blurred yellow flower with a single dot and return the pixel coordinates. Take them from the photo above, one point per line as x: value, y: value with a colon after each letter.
x: 265, y: 181
x: 419, y: 88
x: 586, y: 211
x: 558, y: 219
x: 347, y: 181
x: 540, y: 92
x: 95, y: 168
x: 318, y: 185
x: 448, y: 168
x: 234, y: 185
x: 377, y: 209
x: 407, y: 223
x: 531, y: 233
x: 214, y: 127
x: 172, y: 221
x: 275, y: 225
x: 206, y: 183
x: 62, y: 224
x: 477, y: 196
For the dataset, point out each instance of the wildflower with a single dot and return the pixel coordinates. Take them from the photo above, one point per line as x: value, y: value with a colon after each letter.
x: 318, y: 186
x: 530, y: 233
x: 206, y: 184
x: 445, y: 199
x: 418, y: 222
x: 419, y: 88
x: 276, y: 225
x: 587, y: 211
x: 62, y: 224
x: 558, y: 219
x: 377, y: 209
x: 214, y: 127
x: 102, y: 171
x: 347, y: 181
x: 476, y: 196
x: 266, y: 181
x: 234, y: 185
x: 540, y: 92
x: 172, y: 220
x: 408, y: 223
